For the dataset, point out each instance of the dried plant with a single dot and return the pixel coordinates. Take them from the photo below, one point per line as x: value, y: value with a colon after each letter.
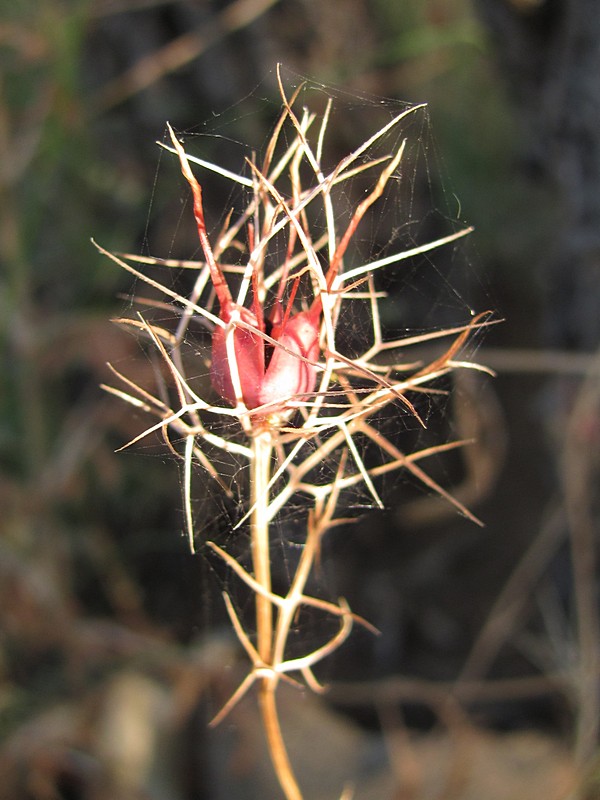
x: 285, y: 396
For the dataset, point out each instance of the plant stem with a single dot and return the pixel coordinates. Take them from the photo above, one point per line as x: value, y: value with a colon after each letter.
x: 259, y: 530
x: 277, y: 749
x: 262, y: 449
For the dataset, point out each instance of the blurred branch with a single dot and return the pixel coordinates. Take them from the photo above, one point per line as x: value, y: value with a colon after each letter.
x: 106, y: 8
x: 436, y: 694
x: 180, y: 51
x: 536, y: 361
x: 508, y: 608
x: 580, y: 463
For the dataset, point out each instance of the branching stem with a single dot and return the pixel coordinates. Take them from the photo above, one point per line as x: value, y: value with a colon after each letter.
x: 286, y: 298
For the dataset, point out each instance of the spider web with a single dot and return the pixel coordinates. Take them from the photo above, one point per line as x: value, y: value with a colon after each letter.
x: 424, y: 294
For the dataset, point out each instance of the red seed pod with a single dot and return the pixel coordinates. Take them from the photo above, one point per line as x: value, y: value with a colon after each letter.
x: 249, y: 358
x: 269, y: 374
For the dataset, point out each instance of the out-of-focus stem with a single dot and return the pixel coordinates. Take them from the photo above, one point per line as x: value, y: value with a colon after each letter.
x: 579, y: 492
x: 18, y: 331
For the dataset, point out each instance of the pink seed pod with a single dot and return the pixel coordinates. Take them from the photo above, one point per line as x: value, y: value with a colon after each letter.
x: 289, y: 372
x: 269, y: 374
x: 249, y: 356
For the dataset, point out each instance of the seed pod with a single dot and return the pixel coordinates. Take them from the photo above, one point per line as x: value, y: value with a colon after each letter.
x: 268, y: 373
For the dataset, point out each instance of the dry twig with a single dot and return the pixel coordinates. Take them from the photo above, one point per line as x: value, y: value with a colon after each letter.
x: 292, y: 398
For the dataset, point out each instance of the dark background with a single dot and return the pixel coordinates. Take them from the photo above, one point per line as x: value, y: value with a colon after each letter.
x: 96, y: 581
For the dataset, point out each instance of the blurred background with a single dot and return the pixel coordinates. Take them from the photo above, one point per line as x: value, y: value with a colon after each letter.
x: 113, y: 647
